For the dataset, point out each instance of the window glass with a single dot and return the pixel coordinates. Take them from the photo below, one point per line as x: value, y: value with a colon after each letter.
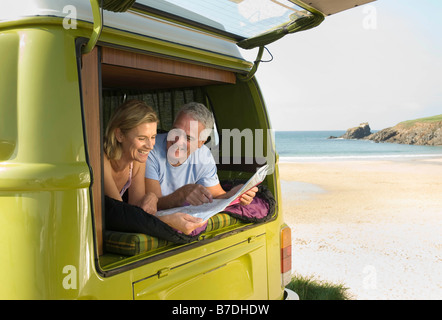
x: 244, y: 18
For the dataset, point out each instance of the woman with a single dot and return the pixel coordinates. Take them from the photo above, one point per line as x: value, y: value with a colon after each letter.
x: 130, y: 136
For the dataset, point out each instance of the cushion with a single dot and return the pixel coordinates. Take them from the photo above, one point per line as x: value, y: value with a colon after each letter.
x: 130, y: 244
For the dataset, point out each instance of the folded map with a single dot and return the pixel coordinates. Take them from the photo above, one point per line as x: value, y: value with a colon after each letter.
x: 205, y: 211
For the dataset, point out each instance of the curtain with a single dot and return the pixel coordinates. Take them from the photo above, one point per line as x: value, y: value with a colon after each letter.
x: 166, y: 103
x: 116, y: 5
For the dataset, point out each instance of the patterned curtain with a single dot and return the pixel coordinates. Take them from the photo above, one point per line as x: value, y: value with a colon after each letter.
x: 166, y: 103
x: 116, y: 5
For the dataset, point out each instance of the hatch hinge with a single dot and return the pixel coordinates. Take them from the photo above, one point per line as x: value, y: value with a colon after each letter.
x: 252, y: 71
x: 97, y: 28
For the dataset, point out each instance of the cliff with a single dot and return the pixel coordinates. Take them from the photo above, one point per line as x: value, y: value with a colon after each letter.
x: 425, y: 131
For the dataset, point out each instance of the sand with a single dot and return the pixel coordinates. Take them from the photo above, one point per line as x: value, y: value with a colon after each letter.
x: 374, y: 226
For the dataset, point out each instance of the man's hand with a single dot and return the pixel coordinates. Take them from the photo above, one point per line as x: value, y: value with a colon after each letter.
x: 195, y: 194
x: 246, y: 198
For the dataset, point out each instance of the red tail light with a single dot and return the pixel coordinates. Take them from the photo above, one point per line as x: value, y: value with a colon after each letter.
x: 286, y: 249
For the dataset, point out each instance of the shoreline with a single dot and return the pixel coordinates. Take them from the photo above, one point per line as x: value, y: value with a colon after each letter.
x: 401, y: 158
x: 373, y: 225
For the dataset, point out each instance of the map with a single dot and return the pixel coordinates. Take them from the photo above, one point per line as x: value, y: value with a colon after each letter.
x: 207, y: 210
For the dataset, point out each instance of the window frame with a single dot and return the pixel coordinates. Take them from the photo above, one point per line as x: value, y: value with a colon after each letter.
x: 92, y: 81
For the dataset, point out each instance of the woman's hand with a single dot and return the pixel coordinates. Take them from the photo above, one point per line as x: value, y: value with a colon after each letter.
x: 149, y: 203
x: 182, y: 221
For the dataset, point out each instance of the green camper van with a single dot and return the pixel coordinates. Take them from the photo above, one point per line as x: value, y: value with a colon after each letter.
x: 65, y: 66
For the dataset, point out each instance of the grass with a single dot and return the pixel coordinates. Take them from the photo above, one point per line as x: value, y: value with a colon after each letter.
x: 309, y: 288
x: 409, y: 123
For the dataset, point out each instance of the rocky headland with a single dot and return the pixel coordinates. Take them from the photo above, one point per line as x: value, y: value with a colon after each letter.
x: 418, y: 133
x: 360, y: 132
x: 425, y: 131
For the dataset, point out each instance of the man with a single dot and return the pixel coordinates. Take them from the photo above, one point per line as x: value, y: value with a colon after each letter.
x: 180, y: 169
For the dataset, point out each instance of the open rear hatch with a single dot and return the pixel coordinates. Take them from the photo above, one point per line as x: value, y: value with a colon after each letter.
x: 252, y: 23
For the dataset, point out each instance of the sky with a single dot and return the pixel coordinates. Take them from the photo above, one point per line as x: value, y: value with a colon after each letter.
x: 379, y: 63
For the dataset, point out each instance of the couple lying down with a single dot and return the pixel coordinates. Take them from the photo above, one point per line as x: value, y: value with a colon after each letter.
x: 160, y: 171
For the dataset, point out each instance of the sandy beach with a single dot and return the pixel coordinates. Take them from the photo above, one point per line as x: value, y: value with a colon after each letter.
x: 374, y: 226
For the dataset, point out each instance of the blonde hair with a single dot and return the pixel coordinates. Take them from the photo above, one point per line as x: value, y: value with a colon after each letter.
x: 127, y: 116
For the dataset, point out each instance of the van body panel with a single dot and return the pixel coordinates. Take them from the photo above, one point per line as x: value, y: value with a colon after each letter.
x: 44, y: 61
x: 8, y: 96
x: 200, y: 279
x: 44, y: 182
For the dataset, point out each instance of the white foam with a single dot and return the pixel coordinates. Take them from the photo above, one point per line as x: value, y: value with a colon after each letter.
x: 357, y: 157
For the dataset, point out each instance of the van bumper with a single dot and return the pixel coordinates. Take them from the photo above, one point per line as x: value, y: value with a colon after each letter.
x: 290, y: 294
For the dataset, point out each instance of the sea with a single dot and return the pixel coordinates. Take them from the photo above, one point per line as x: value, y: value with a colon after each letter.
x: 302, y: 146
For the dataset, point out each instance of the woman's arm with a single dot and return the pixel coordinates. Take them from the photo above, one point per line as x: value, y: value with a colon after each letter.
x: 137, y: 195
x: 110, y: 188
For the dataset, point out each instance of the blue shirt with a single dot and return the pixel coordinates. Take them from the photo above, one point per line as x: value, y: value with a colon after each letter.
x: 199, y: 168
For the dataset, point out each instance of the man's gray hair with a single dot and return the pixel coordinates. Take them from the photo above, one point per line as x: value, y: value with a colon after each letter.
x: 199, y: 112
